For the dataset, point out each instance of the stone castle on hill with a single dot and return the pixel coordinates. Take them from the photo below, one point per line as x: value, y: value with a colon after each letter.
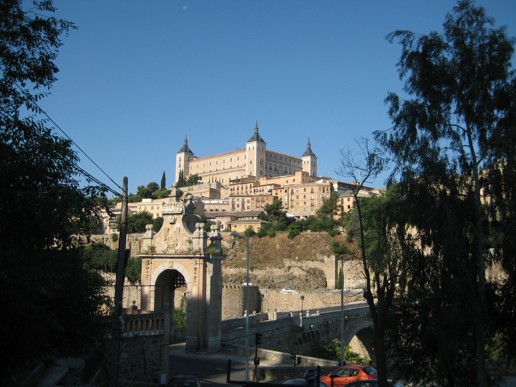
x: 234, y: 187
x: 255, y: 161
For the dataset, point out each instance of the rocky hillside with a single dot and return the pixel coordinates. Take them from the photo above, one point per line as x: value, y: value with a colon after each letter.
x: 304, y: 263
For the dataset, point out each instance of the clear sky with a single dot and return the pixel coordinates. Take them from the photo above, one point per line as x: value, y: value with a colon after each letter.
x: 137, y: 76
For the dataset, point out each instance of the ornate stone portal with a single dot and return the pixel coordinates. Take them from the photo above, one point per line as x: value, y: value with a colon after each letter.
x: 183, y: 256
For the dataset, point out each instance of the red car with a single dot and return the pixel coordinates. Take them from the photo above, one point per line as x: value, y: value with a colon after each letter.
x: 347, y: 374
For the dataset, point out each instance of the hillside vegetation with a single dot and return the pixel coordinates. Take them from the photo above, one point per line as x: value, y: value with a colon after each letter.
x: 279, y: 262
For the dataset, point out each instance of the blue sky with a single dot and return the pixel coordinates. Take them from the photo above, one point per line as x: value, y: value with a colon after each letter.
x: 137, y: 76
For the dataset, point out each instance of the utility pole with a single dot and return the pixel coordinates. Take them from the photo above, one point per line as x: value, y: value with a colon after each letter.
x: 119, y: 286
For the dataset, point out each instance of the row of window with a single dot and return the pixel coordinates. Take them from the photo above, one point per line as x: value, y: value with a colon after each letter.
x: 287, y: 159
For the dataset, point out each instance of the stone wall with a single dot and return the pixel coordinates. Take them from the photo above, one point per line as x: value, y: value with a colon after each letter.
x: 234, y: 298
x: 140, y: 361
x: 267, y: 301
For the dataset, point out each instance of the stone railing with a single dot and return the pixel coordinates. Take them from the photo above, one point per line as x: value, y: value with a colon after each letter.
x: 149, y: 324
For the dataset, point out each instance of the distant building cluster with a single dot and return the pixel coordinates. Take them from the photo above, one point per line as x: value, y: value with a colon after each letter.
x: 235, y: 187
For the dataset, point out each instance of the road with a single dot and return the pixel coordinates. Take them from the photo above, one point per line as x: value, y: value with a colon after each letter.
x: 210, y: 369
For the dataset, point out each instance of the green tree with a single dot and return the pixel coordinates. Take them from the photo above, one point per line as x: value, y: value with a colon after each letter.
x: 328, y: 208
x: 275, y: 210
x: 340, y: 251
x: 137, y: 223
x: 98, y: 256
x: 163, y: 184
x: 181, y: 179
x: 53, y: 300
x: 161, y: 193
x: 323, y: 219
x: 446, y: 142
x: 157, y: 223
x: 193, y: 180
x: 350, y: 357
x: 146, y: 192
x: 134, y: 198
x: 276, y: 216
x: 294, y: 230
x: 133, y: 270
x: 360, y: 166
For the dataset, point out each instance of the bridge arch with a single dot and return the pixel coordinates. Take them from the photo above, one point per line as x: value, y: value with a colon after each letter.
x: 359, y: 335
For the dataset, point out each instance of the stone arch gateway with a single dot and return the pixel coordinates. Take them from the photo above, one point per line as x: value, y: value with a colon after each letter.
x: 183, y: 256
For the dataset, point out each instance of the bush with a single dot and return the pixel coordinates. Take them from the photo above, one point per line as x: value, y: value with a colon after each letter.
x: 98, y: 256
x: 133, y: 271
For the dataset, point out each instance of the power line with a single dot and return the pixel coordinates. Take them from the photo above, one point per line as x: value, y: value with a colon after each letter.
x: 97, y: 181
x: 88, y: 175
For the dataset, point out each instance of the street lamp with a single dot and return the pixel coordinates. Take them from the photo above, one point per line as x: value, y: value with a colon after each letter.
x: 261, y: 307
x: 301, y: 317
x: 247, y: 281
x: 342, y: 312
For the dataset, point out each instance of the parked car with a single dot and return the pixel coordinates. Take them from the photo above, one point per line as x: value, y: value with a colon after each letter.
x: 364, y: 383
x: 342, y: 376
x: 183, y: 381
x: 303, y: 382
x: 370, y: 383
x: 286, y: 290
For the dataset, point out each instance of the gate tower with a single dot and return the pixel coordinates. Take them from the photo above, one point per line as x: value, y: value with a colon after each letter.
x: 183, y: 255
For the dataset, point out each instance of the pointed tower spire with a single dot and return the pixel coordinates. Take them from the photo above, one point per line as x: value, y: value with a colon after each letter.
x: 256, y: 135
x: 185, y: 147
x: 308, y: 151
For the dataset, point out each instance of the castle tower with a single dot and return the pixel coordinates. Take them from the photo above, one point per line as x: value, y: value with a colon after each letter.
x: 255, y: 149
x: 183, y: 158
x: 309, y: 160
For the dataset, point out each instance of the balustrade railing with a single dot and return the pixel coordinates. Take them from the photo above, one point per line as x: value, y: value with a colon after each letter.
x: 148, y: 324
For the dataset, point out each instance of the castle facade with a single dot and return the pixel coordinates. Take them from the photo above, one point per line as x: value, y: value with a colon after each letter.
x: 255, y: 161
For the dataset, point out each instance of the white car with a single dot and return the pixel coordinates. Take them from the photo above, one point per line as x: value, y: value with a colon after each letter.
x: 286, y: 290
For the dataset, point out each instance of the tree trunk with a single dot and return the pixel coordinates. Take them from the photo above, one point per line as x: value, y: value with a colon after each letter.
x: 478, y: 252
x: 379, y: 348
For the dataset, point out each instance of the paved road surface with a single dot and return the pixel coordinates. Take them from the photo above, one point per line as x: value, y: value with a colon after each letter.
x: 210, y: 369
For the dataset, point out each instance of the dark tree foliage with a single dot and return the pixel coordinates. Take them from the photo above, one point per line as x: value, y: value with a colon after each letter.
x: 53, y: 301
x: 161, y: 193
x: 328, y: 208
x: 193, y: 180
x: 378, y: 224
x: 133, y: 271
x: 145, y: 192
x: 137, y: 223
x: 98, y: 256
x: 163, y: 184
x: 181, y: 179
x: 453, y: 147
x: 277, y: 217
x: 157, y: 223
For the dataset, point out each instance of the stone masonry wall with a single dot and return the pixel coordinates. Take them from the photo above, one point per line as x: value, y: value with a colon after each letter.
x: 140, y: 361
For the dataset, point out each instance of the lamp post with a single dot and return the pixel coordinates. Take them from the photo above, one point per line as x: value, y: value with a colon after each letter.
x: 301, y: 317
x: 261, y: 307
x: 247, y: 281
x: 342, y: 312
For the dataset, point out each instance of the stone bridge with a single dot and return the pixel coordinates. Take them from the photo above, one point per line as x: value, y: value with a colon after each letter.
x: 288, y: 332
x: 306, y: 334
x: 286, y: 336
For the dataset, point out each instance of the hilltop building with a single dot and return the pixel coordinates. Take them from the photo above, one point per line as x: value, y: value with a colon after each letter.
x: 255, y: 161
x: 235, y: 187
